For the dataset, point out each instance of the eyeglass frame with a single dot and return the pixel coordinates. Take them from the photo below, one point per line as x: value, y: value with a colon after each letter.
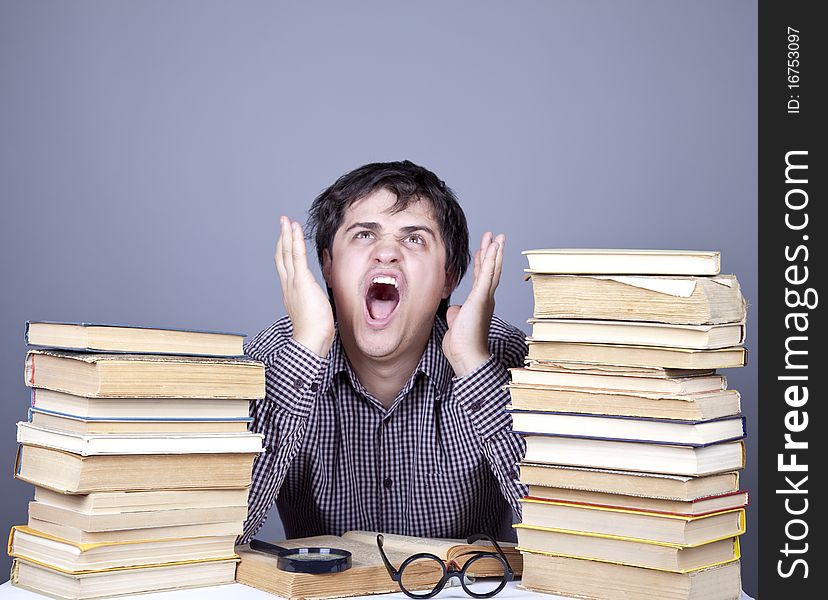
x: 451, y: 569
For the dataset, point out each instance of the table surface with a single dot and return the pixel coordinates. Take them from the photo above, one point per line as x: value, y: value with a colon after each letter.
x: 238, y: 591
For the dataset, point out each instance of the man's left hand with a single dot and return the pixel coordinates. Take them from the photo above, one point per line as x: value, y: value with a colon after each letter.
x: 466, y: 343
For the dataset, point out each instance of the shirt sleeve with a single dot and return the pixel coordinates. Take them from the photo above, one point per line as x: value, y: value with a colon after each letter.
x: 484, y: 395
x: 292, y: 380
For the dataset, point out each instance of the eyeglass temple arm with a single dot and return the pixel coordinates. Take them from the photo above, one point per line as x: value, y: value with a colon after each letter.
x: 395, y: 575
x: 476, y: 537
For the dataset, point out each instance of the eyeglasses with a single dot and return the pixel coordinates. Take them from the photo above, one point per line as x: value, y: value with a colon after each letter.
x: 417, y: 574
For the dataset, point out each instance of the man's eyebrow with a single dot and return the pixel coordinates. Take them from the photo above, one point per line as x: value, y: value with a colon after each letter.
x: 408, y: 229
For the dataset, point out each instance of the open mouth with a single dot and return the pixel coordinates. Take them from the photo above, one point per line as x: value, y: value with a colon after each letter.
x: 382, y: 298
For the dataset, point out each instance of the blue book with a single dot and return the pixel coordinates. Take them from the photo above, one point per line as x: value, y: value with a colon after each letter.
x: 161, y: 425
x: 99, y: 337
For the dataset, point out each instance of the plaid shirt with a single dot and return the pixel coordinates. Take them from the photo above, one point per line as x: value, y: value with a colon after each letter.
x: 440, y: 462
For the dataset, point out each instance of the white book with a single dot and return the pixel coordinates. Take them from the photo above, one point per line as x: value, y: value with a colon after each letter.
x: 623, y: 262
x: 638, y: 333
x: 662, y: 431
x: 635, y: 456
x: 97, y: 444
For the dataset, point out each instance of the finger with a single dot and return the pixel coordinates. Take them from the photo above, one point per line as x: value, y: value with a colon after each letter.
x: 300, y: 256
x: 280, y: 261
x: 483, y: 282
x: 485, y: 240
x: 451, y: 314
x: 287, y: 248
x: 501, y: 243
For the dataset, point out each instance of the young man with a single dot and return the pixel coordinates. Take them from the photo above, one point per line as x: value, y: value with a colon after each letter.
x: 385, y: 406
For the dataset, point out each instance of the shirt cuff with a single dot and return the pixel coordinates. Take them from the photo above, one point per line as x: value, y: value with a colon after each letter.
x: 293, y: 378
x: 482, y: 394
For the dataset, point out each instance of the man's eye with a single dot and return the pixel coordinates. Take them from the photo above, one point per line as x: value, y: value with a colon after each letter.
x: 363, y: 235
x: 415, y: 238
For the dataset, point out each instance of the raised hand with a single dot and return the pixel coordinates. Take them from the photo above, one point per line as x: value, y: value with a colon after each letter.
x: 305, y: 301
x: 466, y: 343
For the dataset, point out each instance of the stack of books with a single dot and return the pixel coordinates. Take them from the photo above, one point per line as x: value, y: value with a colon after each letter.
x: 138, y: 448
x: 633, y: 440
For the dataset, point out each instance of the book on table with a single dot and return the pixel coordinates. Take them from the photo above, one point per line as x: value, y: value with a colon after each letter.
x: 635, y: 456
x: 627, y: 551
x: 81, y: 536
x: 630, y: 483
x: 584, y: 578
x: 144, y: 375
x: 590, y: 381
x: 697, y: 406
x: 99, y: 337
x: 632, y: 523
x: 83, y: 407
x: 72, y: 557
x: 638, y: 333
x: 637, y: 356
x: 703, y: 505
x: 626, y: 428
x: 139, y: 443
x: 111, y: 425
x: 367, y: 574
x: 117, y: 582
x: 106, y: 503
x: 678, y: 300
x: 70, y: 473
x: 623, y: 261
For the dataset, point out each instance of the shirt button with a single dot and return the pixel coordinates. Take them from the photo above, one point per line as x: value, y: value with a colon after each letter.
x: 314, y: 387
x: 299, y: 383
x: 388, y: 483
x: 475, y: 406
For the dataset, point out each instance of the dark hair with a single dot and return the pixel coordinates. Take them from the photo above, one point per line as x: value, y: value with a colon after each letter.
x: 408, y: 182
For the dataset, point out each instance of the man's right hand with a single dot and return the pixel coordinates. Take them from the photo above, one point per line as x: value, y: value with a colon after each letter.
x: 306, y: 302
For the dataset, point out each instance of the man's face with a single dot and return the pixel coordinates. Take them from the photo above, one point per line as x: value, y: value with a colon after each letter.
x: 387, y: 273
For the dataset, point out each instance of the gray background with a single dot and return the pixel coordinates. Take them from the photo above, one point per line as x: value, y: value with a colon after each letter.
x: 148, y: 148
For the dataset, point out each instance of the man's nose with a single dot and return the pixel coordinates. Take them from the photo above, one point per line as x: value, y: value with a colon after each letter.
x: 386, y: 251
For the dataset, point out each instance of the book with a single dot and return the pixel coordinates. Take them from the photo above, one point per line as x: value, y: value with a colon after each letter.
x: 678, y: 300
x: 631, y: 523
x: 623, y: 262
x: 625, y: 551
x: 139, y: 443
x: 694, y: 507
x: 698, y: 406
x: 127, y: 338
x: 630, y: 483
x: 102, y: 584
x: 641, y: 429
x: 74, y: 424
x: 635, y: 456
x: 83, y: 407
x: 75, y: 474
x: 567, y: 379
x: 135, y: 519
x: 80, y: 536
x: 105, y: 503
x: 638, y: 333
x: 637, y: 356
x: 71, y: 557
x: 367, y: 574
x: 144, y: 375
x: 582, y: 578
x: 619, y: 370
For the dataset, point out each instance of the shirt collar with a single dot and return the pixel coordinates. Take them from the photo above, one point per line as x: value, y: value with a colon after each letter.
x: 433, y: 363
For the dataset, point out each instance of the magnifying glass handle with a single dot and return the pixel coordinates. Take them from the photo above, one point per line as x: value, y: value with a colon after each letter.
x: 265, y: 547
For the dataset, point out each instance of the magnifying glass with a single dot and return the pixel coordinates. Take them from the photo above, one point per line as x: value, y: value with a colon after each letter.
x: 306, y: 560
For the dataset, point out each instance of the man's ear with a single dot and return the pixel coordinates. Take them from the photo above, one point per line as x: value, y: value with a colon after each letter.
x: 449, y: 286
x: 326, y: 266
